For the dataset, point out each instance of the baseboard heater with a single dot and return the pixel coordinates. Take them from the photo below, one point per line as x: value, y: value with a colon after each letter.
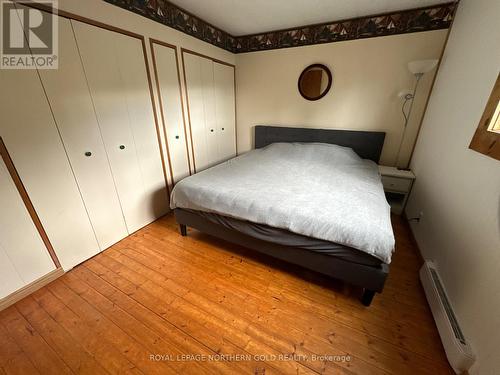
x: 457, y: 350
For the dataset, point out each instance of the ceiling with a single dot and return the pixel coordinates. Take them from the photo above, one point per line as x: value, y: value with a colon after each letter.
x: 243, y: 17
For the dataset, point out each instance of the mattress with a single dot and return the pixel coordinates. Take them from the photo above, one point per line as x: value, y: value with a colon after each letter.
x: 316, y: 190
x: 289, y: 239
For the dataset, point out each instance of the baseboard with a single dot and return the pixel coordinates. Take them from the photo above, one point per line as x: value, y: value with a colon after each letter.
x: 30, y: 288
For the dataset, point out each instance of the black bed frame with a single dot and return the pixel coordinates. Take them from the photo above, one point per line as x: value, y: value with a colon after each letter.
x: 366, y: 144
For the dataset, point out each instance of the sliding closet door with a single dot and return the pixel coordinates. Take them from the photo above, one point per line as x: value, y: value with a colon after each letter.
x: 195, y: 93
x: 225, y: 110
x: 23, y: 255
x: 29, y: 133
x: 110, y: 63
x: 167, y: 76
x: 72, y: 107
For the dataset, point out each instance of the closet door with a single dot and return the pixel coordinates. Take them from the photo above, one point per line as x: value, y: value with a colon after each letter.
x: 167, y: 77
x: 111, y: 63
x: 30, y: 135
x: 73, y: 111
x: 225, y: 110
x: 132, y: 67
x: 23, y: 255
x: 10, y: 281
x: 211, y: 99
x: 208, y: 87
x: 195, y: 94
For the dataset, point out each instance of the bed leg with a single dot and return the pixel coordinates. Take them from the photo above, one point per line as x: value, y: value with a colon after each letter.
x: 183, y: 229
x: 367, y: 297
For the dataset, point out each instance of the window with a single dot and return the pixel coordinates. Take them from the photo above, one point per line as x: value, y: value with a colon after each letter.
x: 495, y: 120
x: 486, y: 140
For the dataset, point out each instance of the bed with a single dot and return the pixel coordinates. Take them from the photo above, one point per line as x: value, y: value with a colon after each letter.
x: 311, y: 197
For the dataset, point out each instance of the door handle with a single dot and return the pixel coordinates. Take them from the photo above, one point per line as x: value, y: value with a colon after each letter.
x: 122, y: 147
x: 176, y: 137
x: 88, y: 154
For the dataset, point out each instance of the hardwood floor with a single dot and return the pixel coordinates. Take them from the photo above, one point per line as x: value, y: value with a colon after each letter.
x: 159, y: 303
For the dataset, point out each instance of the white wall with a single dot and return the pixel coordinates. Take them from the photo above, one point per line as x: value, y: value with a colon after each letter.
x: 109, y: 14
x: 458, y: 189
x: 367, y: 76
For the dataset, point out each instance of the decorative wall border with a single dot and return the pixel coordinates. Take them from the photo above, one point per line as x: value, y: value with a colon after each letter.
x: 173, y: 16
x: 401, y: 22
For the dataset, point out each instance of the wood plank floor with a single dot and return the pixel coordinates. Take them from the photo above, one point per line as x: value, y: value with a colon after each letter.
x: 159, y: 303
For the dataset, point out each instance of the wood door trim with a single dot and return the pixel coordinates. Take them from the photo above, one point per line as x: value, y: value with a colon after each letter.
x: 188, y: 109
x: 183, y: 116
x: 152, y: 42
x: 76, y: 17
x: 162, y: 43
x: 181, y: 96
x: 27, y: 201
x: 157, y: 125
x: 185, y: 50
x: 160, y: 101
x: 72, y: 16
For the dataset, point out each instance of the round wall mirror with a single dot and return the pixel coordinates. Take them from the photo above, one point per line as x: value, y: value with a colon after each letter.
x: 315, y: 82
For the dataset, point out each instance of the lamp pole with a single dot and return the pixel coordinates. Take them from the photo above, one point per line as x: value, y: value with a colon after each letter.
x: 407, y: 117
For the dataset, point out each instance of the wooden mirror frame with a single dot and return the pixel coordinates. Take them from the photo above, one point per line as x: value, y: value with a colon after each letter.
x: 327, y: 89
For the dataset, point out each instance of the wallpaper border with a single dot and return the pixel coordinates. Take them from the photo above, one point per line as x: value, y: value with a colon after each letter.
x: 401, y: 22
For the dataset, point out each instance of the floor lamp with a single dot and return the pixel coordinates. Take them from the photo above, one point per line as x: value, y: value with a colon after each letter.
x: 418, y: 69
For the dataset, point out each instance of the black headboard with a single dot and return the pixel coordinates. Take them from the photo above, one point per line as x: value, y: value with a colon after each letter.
x: 366, y: 144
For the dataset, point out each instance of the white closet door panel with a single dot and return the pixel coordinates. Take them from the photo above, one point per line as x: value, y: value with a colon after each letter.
x: 73, y: 110
x: 130, y: 56
x: 100, y: 62
x: 166, y: 66
x: 225, y: 110
x: 30, y: 135
x: 208, y: 87
x: 10, y: 281
x: 19, y: 237
x: 195, y: 90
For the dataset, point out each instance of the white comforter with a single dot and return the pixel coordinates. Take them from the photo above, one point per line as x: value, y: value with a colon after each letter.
x: 317, y: 190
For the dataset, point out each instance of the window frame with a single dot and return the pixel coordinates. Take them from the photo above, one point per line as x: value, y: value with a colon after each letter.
x: 486, y: 139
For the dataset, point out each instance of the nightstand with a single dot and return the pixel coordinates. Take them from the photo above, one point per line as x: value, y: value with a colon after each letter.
x: 397, y: 187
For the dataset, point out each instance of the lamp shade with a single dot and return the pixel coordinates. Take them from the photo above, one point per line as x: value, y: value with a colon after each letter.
x: 422, y: 66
